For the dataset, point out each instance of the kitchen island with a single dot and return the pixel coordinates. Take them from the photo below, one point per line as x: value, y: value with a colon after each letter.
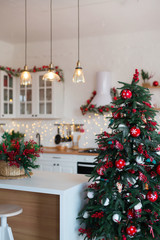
x: 50, y: 202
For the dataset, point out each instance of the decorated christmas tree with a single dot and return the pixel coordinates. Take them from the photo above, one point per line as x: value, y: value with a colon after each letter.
x: 122, y: 200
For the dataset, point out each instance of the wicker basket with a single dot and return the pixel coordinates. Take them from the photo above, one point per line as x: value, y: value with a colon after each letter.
x: 8, y: 171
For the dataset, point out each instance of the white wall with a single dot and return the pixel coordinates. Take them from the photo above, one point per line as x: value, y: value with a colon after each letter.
x: 6, y: 54
x: 120, y: 54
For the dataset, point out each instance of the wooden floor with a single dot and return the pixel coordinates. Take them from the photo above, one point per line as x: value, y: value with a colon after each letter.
x: 40, y: 217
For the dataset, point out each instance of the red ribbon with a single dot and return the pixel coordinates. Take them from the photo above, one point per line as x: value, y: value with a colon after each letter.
x: 151, y: 231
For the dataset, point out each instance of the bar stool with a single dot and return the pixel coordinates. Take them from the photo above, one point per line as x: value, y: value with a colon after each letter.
x: 7, y: 210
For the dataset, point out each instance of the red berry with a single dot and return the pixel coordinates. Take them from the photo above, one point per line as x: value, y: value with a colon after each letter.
x: 135, y: 131
x: 126, y: 94
x: 152, y: 196
x: 131, y: 230
x: 158, y: 169
x: 120, y: 163
x: 155, y: 83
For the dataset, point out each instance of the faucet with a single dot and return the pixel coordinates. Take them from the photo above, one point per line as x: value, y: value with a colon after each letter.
x: 39, y: 138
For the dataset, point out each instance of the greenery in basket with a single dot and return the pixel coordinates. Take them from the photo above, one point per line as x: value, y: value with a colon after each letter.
x: 13, y: 136
x: 15, y: 151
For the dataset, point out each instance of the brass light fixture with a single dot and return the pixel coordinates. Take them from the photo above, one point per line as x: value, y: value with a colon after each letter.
x: 78, y: 76
x: 25, y: 78
x: 51, y: 75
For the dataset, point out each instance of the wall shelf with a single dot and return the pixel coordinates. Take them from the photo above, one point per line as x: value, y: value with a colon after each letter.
x: 151, y: 87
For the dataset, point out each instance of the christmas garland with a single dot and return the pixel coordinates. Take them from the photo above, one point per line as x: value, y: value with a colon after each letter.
x: 89, y: 107
x: 17, y: 72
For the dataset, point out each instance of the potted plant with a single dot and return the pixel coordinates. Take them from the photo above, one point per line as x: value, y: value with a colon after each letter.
x: 17, y: 157
x: 146, y: 77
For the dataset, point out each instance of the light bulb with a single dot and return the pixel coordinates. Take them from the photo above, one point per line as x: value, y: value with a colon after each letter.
x: 78, y: 76
x: 51, y: 75
x: 25, y: 78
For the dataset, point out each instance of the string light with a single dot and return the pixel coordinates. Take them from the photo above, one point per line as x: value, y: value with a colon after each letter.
x: 48, y: 131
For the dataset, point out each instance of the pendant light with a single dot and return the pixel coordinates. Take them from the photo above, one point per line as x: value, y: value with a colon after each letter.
x: 51, y: 75
x: 25, y: 78
x: 78, y: 76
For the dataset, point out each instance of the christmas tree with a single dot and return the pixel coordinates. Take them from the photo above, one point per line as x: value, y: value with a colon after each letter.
x: 122, y: 200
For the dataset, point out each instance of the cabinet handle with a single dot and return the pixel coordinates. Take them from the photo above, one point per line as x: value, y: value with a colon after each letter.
x: 57, y: 164
x: 54, y: 164
x: 56, y: 157
x: 36, y: 115
x: 32, y: 115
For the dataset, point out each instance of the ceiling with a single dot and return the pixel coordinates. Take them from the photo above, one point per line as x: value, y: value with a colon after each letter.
x: 97, y: 17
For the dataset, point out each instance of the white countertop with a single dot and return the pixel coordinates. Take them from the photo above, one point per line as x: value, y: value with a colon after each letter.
x: 45, y: 182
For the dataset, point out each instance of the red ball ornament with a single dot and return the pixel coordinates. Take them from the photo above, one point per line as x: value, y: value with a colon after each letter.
x: 131, y: 230
x: 158, y: 169
x: 101, y: 171
x: 155, y: 83
x: 126, y: 94
x: 135, y: 131
x: 120, y: 163
x: 152, y: 196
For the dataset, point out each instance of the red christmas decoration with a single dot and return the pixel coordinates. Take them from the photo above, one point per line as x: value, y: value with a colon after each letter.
x: 126, y: 94
x: 152, y: 196
x: 131, y: 230
x: 101, y: 170
x: 130, y: 214
x: 158, y: 169
x: 120, y: 163
x: 155, y: 83
x: 116, y: 115
x: 135, y: 131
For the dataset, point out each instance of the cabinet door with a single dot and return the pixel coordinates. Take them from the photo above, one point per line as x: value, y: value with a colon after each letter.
x: 45, y: 97
x: 50, y: 166
x: 25, y: 100
x: 50, y: 98
x: 68, y: 167
x: 7, y: 95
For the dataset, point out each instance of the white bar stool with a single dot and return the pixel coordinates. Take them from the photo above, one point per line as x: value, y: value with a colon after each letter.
x: 7, y: 210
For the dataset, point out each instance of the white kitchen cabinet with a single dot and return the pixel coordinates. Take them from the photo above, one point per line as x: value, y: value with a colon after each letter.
x: 57, y: 163
x: 42, y: 99
x: 62, y: 162
x: 7, y: 95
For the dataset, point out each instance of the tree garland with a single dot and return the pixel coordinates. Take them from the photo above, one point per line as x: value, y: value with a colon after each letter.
x: 17, y: 72
x: 89, y: 107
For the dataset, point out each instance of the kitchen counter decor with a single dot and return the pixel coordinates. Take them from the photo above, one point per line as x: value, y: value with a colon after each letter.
x: 17, y: 157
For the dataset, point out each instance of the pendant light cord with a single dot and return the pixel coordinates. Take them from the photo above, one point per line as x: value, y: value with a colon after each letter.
x: 25, y: 32
x: 78, y: 30
x: 51, y: 31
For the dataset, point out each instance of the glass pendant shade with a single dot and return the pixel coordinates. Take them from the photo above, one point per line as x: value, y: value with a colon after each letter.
x: 25, y: 78
x: 51, y: 75
x: 78, y: 76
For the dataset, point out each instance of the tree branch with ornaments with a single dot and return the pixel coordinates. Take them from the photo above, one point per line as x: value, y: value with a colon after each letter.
x: 123, y: 199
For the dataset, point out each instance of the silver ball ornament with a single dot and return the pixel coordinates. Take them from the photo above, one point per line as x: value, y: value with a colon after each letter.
x: 106, y: 202
x: 116, y: 218
x: 140, y: 160
x: 86, y: 215
x: 90, y: 195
